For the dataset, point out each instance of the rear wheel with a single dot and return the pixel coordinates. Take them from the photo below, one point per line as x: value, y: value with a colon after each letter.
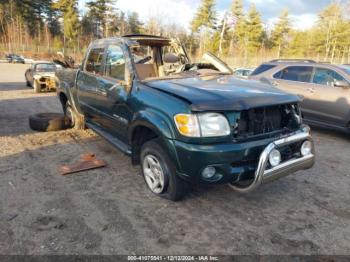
x: 159, y: 172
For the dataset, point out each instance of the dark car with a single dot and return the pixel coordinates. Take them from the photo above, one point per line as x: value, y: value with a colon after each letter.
x: 41, y: 76
x: 13, y: 58
x: 325, y: 88
x: 184, y: 122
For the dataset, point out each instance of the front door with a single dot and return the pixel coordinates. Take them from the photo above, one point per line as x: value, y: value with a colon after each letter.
x: 117, y: 113
x: 330, y: 103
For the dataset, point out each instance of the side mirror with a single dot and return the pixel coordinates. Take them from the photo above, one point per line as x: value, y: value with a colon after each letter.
x: 342, y: 84
x: 171, y: 58
x: 89, y: 67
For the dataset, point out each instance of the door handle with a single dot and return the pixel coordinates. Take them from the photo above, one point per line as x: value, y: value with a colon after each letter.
x: 311, y: 90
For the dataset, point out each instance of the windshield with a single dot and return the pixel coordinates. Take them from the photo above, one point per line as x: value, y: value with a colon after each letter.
x: 45, y: 68
x: 167, y: 59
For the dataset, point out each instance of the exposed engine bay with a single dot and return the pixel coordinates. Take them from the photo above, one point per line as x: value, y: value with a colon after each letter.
x: 267, y: 120
x: 46, y: 82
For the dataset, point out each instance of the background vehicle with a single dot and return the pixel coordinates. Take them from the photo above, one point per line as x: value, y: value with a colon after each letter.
x: 41, y: 76
x: 13, y: 58
x: 184, y: 122
x: 243, y: 72
x: 324, y: 87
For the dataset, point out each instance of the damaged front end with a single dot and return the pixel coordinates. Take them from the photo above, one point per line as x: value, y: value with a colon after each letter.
x: 266, y: 121
x: 45, y: 82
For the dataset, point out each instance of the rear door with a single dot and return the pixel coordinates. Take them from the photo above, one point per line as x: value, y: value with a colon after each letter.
x: 88, y: 89
x: 330, y: 103
x: 114, y: 103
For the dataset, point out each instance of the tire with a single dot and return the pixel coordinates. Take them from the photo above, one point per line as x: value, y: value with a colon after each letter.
x: 28, y: 83
x: 48, y: 122
x: 173, y: 188
x: 36, y: 87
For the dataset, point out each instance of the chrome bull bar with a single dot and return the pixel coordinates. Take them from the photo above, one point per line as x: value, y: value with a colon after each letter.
x: 263, y: 175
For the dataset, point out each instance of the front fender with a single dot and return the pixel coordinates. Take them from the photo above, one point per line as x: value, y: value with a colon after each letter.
x: 153, y: 120
x: 159, y: 124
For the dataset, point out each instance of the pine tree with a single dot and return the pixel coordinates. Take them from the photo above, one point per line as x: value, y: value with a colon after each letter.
x: 203, y: 22
x: 69, y: 12
x: 280, y: 32
x: 134, y: 23
x: 239, y: 22
x: 102, y: 13
x: 254, y: 29
x: 205, y: 16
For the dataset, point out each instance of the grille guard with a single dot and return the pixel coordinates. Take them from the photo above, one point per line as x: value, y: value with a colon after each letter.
x: 263, y: 175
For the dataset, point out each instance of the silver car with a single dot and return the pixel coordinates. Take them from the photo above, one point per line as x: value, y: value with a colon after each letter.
x: 41, y: 76
x: 325, y: 88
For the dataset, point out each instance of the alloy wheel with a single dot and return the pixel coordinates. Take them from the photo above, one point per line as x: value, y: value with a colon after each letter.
x: 154, y: 174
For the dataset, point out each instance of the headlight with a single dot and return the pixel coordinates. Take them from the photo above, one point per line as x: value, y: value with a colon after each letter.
x: 202, y: 125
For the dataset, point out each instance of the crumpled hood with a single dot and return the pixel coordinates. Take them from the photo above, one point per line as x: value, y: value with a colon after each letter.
x: 223, y: 93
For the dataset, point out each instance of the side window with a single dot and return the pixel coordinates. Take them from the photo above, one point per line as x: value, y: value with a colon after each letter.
x: 261, y: 69
x: 324, y: 76
x: 115, y: 62
x: 295, y: 73
x: 94, y: 61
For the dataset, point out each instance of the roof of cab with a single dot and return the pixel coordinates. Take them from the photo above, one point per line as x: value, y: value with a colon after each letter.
x: 131, y: 39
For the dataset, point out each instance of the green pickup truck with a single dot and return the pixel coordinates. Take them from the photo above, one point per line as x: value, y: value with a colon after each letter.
x: 184, y: 122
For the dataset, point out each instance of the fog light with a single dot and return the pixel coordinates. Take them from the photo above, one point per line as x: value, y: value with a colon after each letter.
x: 208, y: 172
x: 275, y: 157
x: 306, y: 148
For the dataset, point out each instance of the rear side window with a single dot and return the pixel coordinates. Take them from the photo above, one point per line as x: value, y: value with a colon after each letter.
x: 94, y: 61
x: 261, y: 69
x: 295, y: 73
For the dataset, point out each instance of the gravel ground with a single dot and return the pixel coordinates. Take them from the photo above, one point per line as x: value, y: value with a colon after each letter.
x: 110, y: 210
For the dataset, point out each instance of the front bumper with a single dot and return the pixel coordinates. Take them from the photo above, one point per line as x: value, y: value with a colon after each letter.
x: 46, y: 82
x: 263, y: 174
x: 238, y: 162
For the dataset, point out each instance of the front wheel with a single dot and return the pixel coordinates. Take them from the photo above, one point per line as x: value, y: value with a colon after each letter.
x: 159, y: 172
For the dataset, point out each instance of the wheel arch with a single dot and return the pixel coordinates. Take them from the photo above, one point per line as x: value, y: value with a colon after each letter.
x: 147, y: 126
x: 63, y: 98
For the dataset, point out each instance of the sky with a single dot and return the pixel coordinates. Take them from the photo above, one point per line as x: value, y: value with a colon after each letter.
x: 303, y: 13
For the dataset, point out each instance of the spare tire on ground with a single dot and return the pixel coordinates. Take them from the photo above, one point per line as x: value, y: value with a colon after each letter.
x: 49, y: 122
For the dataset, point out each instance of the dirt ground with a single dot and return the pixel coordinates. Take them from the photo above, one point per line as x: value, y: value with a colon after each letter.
x: 110, y: 210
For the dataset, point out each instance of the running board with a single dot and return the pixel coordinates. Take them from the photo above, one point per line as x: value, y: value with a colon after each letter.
x: 111, y: 139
